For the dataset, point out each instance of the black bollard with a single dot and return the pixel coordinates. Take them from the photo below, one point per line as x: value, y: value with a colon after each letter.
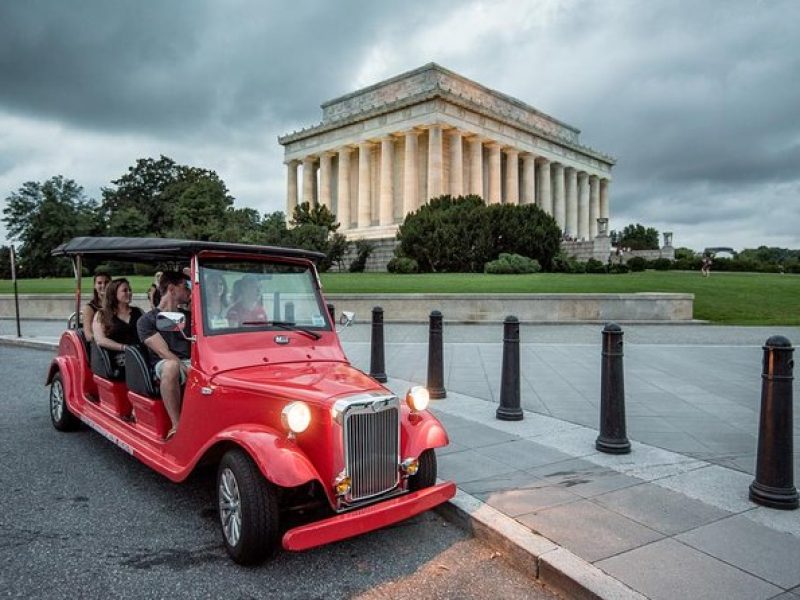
x: 377, y: 370
x: 435, y: 357
x: 774, y: 482
x: 509, y: 409
x: 612, y: 438
x: 332, y: 313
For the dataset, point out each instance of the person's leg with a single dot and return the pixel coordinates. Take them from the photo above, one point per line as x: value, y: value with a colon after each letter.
x: 171, y: 389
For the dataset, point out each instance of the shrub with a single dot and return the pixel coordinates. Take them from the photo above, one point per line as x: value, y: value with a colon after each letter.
x: 363, y: 250
x: 595, y: 266
x: 462, y: 234
x: 402, y: 264
x: 618, y: 268
x: 508, y: 264
x: 661, y: 264
x: 567, y: 264
x: 636, y: 264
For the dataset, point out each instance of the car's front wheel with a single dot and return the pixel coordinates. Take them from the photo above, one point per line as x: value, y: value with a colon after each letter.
x: 248, y: 509
x: 60, y: 415
x: 425, y: 476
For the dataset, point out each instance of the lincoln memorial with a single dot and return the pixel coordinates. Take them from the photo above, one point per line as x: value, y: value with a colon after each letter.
x: 383, y: 151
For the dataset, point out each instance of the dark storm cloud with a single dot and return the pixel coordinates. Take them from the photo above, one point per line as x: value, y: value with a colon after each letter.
x: 172, y: 66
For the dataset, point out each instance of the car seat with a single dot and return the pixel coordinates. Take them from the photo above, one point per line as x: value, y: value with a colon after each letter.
x: 102, y: 365
x: 138, y: 374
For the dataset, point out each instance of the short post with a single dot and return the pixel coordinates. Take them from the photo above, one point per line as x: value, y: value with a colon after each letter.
x: 332, y: 313
x: 288, y: 311
x: 435, y: 357
x: 613, y: 438
x: 276, y: 306
x: 774, y: 482
x: 377, y: 370
x: 509, y: 409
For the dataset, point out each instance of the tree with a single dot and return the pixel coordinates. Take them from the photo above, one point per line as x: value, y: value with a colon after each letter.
x: 638, y: 237
x: 43, y: 215
x: 447, y: 234
x: 163, y: 198
x: 463, y: 234
x: 314, y: 228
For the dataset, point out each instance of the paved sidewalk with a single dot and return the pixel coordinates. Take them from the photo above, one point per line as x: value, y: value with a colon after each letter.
x: 671, y: 519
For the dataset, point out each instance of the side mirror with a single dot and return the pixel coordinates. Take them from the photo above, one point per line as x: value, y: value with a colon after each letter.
x: 346, y: 320
x: 172, y: 321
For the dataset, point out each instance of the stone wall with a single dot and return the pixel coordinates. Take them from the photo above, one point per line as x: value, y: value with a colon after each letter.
x: 382, y: 253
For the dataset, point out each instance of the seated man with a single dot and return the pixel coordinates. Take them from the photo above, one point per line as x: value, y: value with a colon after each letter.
x: 170, y: 350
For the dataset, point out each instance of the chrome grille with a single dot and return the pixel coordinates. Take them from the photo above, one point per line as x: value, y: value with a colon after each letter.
x: 372, y: 446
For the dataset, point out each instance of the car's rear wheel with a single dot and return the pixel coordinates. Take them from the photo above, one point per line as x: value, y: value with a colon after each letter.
x: 426, y: 473
x: 248, y: 509
x: 60, y: 415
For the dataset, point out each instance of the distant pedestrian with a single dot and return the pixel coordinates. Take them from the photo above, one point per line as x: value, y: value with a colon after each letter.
x: 706, y: 268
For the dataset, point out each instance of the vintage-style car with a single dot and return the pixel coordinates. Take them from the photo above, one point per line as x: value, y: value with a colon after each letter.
x: 309, y: 449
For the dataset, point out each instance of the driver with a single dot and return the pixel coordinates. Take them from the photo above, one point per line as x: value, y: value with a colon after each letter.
x: 247, y: 307
x: 169, y: 350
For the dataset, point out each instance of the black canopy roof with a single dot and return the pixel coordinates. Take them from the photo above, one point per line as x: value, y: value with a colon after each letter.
x: 164, y: 249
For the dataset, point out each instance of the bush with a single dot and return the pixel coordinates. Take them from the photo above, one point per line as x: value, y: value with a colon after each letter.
x: 637, y: 264
x: 462, y: 234
x: 402, y: 264
x: 567, y: 264
x: 595, y: 266
x: 661, y: 264
x: 618, y: 268
x: 363, y: 250
x: 509, y: 264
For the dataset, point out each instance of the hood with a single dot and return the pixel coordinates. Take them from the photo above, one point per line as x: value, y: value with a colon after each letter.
x: 314, y: 382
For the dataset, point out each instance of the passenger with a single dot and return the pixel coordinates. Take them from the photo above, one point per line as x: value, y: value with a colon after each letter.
x: 170, y: 351
x: 99, y: 282
x: 114, y: 324
x: 216, y: 294
x: 247, y: 308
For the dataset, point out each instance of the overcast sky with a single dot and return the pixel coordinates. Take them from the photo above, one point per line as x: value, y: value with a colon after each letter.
x: 699, y: 101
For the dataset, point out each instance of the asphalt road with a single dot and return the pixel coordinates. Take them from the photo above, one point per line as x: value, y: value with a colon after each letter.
x: 81, y: 519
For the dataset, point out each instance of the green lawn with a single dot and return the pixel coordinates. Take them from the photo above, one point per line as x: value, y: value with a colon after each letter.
x: 729, y: 298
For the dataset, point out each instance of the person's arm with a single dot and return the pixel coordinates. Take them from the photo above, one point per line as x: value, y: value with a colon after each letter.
x: 87, y: 318
x: 158, y: 346
x: 101, y: 339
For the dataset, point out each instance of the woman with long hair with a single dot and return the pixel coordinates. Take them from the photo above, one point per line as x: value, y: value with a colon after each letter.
x: 216, y: 294
x: 99, y: 283
x: 115, y: 323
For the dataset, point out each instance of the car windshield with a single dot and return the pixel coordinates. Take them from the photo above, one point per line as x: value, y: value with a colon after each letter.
x: 255, y: 296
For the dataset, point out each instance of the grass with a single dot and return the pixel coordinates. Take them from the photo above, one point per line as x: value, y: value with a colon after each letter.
x: 725, y: 298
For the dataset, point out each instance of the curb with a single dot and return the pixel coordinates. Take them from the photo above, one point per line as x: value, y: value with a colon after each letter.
x: 554, y: 566
x: 28, y: 343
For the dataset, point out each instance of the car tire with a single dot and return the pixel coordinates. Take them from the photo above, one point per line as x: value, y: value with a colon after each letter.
x: 248, y: 509
x: 60, y: 415
x: 425, y: 476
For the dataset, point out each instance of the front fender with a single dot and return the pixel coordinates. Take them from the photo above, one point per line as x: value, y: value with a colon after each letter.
x: 278, y: 458
x: 422, y: 431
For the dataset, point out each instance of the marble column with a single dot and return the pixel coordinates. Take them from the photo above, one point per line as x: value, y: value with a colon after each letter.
x: 583, y: 206
x: 545, y: 201
x: 309, y: 180
x: 512, y: 176
x: 604, y: 208
x: 411, y: 173
x: 364, y: 200
x: 476, y: 166
x: 559, y: 200
x: 291, y: 187
x: 435, y: 162
x: 386, y: 212
x: 571, y: 176
x: 343, y: 195
x: 594, y: 205
x: 325, y: 163
x: 495, y: 172
x: 456, y: 163
x: 528, y: 195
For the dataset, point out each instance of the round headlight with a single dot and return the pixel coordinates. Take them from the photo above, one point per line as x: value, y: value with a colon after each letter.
x: 418, y: 398
x: 296, y: 417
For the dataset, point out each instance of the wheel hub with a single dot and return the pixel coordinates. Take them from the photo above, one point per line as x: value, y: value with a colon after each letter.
x: 56, y: 400
x: 230, y: 508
